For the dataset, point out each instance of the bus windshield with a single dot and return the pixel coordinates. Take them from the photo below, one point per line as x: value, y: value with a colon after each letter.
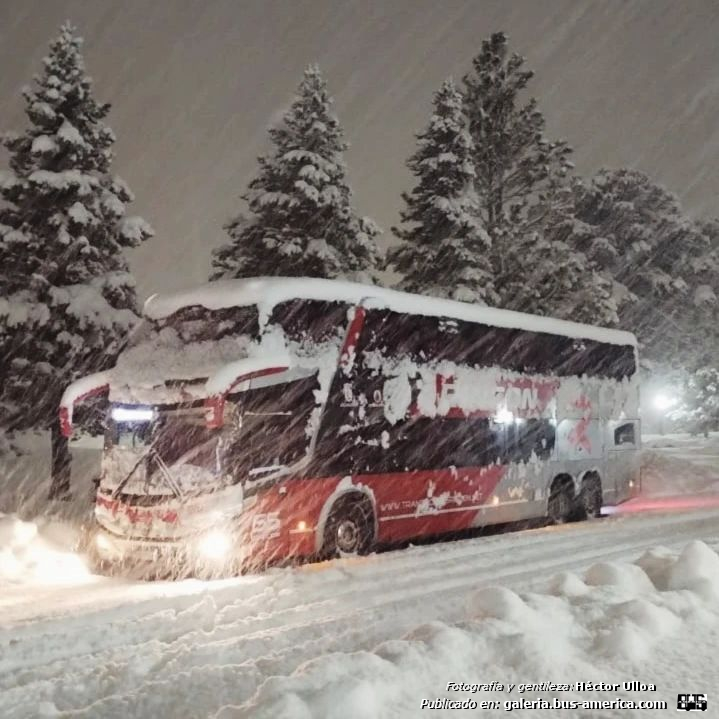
x: 172, y: 439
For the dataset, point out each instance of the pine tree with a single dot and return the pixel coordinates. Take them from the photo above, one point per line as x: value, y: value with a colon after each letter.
x: 522, y: 186
x: 699, y: 409
x: 517, y: 170
x: 301, y: 221
x: 662, y: 265
x: 67, y: 297
x: 552, y: 276
x: 444, y: 250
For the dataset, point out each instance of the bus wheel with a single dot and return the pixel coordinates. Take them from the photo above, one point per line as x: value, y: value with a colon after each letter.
x: 591, y: 495
x: 350, y: 527
x: 561, y: 500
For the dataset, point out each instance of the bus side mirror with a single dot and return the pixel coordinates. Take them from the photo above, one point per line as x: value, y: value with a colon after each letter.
x: 80, y: 389
x: 227, y: 379
x: 65, y: 422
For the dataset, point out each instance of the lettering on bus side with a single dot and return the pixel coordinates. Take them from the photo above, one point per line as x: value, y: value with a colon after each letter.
x: 525, y: 394
x: 266, y: 526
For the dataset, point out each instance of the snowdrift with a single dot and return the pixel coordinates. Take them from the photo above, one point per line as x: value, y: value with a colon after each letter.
x: 38, y: 553
x: 613, y: 624
x: 680, y: 464
x: 25, y: 477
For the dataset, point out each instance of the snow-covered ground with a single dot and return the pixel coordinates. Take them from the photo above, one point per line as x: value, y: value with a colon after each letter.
x: 630, y: 598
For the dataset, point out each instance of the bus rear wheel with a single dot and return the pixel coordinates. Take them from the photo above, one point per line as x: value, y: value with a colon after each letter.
x: 349, y: 528
x: 560, y: 506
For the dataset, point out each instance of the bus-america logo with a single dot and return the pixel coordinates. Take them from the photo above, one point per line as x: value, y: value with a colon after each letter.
x: 691, y: 702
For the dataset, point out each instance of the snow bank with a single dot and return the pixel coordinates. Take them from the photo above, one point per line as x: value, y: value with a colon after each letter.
x: 42, y: 554
x: 608, y: 625
x: 25, y: 477
x: 679, y: 463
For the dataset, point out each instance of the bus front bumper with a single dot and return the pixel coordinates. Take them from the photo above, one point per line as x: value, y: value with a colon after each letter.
x: 214, y: 552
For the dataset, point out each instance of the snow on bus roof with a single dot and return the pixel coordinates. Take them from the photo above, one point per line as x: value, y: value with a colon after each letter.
x: 269, y: 291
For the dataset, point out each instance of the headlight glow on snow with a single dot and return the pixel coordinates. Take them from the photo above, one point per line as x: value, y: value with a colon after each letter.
x: 215, y: 545
x: 133, y: 414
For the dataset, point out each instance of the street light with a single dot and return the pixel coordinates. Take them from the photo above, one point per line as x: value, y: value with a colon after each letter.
x: 663, y: 402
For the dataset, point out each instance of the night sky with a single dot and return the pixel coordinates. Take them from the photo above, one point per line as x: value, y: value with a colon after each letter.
x: 194, y: 85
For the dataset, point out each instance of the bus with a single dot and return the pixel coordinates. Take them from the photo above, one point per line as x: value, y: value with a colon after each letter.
x: 258, y: 420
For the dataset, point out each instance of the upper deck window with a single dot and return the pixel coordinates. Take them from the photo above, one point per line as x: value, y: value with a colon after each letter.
x: 315, y: 320
x: 425, y: 338
x: 198, y: 324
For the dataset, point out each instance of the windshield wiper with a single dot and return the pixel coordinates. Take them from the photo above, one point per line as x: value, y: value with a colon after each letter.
x: 164, y: 472
x: 121, y: 486
x: 167, y: 476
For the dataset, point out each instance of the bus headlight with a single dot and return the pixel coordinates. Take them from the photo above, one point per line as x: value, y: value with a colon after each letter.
x: 105, y: 547
x: 103, y: 543
x: 132, y: 414
x: 214, y: 545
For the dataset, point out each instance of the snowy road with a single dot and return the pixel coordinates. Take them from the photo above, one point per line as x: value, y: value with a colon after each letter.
x: 105, y: 648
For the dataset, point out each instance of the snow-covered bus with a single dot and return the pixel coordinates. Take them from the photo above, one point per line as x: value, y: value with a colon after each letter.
x: 274, y: 418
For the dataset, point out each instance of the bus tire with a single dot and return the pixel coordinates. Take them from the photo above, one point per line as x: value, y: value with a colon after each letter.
x: 561, y: 504
x: 590, y: 497
x: 350, y: 527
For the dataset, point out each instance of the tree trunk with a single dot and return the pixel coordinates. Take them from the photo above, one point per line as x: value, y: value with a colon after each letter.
x: 60, y: 466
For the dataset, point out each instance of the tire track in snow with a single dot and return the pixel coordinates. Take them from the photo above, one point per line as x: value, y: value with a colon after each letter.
x: 355, y: 578
x: 256, y: 644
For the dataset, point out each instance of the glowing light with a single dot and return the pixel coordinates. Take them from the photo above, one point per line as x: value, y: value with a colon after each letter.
x: 215, y: 545
x: 495, y: 500
x: 663, y: 402
x: 103, y: 543
x: 301, y: 526
x: 504, y: 416
x: 519, y: 420
x: 60, y: 568
x: 133, y: 414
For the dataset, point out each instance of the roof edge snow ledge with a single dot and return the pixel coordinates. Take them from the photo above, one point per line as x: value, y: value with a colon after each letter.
x: 269, y: 291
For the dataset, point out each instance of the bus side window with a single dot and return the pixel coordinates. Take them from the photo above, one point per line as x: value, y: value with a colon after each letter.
x: 624, y: 435
x: 527, y: 437
x: 269, y: 426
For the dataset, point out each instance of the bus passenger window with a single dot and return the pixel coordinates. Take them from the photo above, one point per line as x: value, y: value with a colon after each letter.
x: 624, y: 434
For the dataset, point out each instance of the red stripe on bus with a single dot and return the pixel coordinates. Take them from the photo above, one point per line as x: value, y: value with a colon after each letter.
x: 353, y: 333
x: 137, y: 515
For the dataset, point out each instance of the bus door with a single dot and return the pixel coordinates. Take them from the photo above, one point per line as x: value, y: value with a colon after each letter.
x: 623, y: 458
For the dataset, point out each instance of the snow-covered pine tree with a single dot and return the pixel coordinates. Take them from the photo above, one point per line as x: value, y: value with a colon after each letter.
x: 699, y: 409
x: 662, y: 265
x: 517, y: 169
x: 552, y: 276
x: 301, y: 222
x: 444, y: 250
x: 522, y: 188
x: 67, y: 299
